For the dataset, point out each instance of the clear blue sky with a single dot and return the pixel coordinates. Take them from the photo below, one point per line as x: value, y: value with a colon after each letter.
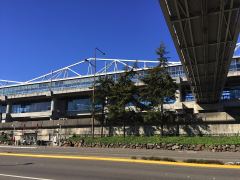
x: 37, y: 36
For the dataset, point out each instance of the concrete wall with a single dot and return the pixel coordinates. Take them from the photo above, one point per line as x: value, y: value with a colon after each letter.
x: 207, y: 129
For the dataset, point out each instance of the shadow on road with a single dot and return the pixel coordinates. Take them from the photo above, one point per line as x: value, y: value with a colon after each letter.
x: 17, y: 164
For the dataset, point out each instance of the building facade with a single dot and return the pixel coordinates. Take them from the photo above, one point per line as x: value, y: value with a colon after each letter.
x: 57, y: 100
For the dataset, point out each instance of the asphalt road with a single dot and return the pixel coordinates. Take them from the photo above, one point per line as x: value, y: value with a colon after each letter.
x: 69, y: 169
x: 126, y: 153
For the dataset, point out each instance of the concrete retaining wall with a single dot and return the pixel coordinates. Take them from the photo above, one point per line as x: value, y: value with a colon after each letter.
x: 207, y: 129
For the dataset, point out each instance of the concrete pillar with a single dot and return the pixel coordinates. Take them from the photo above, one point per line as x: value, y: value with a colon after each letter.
x: 178, y: 93
x: 53, y: 104
x: 8, y: 112
x: 53, y: 108
x: 178, y: 96
x: 8, y: 108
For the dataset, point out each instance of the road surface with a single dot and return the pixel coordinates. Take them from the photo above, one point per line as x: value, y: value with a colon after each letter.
x: 14, y: 167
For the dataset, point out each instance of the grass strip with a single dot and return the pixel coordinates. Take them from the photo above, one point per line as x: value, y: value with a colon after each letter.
x: 194, y: 140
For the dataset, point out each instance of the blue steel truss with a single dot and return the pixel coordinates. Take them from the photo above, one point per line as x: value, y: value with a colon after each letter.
x: 85, y: 69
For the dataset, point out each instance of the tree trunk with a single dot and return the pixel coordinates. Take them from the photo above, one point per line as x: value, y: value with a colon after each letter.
x: 161, y: 129
x: 177, y: 133
x: 177, y: 124
x: 102, y: 121
x: 124, y: 128
x: 161, y: 111
x: 161, y: 117
x: 109, y: 128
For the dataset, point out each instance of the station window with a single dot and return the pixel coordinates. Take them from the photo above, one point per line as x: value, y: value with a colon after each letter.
x: 31, y: 107
x: 82, y: 105
x: 2, y: 108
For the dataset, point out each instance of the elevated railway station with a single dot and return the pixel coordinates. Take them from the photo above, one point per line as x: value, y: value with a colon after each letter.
x: 205, y: 35
x: 63, y: 98
x: 66, y: 92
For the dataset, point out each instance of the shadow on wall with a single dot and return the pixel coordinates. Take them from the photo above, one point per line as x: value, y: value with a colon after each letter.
x: 191, y: 124
x: 168, y: 130
x: 184, y: 127
x: 184, y: 123
x: 233, y: 109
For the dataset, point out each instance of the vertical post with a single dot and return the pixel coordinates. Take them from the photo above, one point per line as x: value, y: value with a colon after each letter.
x: 93, y: 93
x: 179, y: 91
x: 13, y: 137
x: 60, y: 131
x: 105, y: 68
x: 94, y: 84
x: 59, y: 134
x: 51, y: 81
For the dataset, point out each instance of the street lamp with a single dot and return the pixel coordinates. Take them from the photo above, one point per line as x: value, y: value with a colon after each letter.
x: 94, y: 86
x: 13, y: 125
x: 59, y: 133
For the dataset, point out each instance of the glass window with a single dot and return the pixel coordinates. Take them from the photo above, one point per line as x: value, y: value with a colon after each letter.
x: 232, y: 93
x: 3, y: 108
x: 31, y: 107
x: 188, y: 96
x: 82, y: 105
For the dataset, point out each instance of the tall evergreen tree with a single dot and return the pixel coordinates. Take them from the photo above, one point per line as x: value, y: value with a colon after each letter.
x: 159, y: 86
x: 124, y: 94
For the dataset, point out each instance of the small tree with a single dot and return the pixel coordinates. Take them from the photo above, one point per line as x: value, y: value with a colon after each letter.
x: 158, y: 85
x: 103, y: 91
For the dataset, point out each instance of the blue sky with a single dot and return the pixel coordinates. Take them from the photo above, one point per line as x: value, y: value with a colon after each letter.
x: 40, y: 35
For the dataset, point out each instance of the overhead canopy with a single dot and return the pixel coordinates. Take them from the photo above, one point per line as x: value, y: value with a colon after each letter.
x: 205, y: 33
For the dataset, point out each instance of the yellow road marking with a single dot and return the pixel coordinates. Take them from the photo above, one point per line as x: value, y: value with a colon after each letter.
x: 94, y: 158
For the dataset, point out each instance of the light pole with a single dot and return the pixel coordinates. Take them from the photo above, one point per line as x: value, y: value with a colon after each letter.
x: 14, y: 134
x: 59, y: 133
x: 94, y: 85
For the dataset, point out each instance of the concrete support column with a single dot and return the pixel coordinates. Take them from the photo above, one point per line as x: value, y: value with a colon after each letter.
x: 8, y: 112
x: 53, y: 108
x: 53, y: 104
x: 178, y: 93
x: 8, y: 108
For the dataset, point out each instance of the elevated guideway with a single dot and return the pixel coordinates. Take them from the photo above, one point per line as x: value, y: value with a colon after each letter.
x: 205, y: 34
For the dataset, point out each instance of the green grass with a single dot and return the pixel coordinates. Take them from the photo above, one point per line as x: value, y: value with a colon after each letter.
x: 207, y: 140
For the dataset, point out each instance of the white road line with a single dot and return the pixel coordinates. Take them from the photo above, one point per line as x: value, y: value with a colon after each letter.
x: 23, y: 177
x: 18, y: 147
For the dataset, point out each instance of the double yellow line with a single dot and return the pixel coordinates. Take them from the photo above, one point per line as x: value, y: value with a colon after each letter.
x: 124, y: 160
